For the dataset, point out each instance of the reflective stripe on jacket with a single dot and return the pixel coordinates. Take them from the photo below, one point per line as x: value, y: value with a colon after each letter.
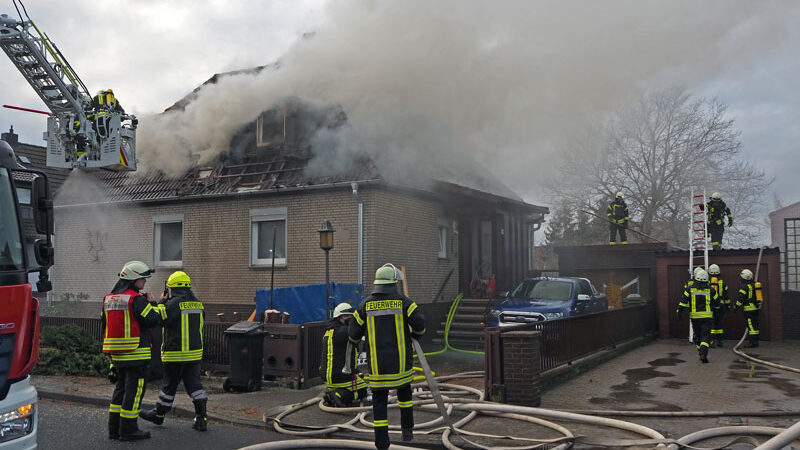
x: 183, y: 316
x: 121, y: 333
x: 747, y: 297
x: 385, y: 320
x: 700, y: 301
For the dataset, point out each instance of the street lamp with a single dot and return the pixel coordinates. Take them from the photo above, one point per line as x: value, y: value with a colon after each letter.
x: 326, y: 243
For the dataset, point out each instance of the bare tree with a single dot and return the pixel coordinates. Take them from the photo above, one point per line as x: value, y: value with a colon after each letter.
x: 656, y: 151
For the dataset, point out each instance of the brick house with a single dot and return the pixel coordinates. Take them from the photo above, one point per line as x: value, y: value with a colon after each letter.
x: 216, y: 222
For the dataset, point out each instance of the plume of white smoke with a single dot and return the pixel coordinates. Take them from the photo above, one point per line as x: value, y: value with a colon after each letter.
x: 445, y: 83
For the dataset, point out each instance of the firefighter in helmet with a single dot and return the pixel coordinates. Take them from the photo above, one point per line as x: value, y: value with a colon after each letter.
x: 103, y: 105
x: 717, y: 331
x: 127, y: 314
x: 389, y: 320
x: 617, y: 213
x: 717, y: 210
x: 343, y: 389
x: 701, y: 300
x: 751, y: 305
x: 181, y: 351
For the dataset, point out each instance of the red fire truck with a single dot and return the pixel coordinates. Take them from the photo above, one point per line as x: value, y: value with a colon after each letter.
x: 26, y: 226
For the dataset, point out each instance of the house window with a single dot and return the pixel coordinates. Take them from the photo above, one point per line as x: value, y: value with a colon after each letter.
x: 442, y: 231
x: 792, y: 254
x: 271, y: 128
x: 168, y: 241
x: 268, y: 226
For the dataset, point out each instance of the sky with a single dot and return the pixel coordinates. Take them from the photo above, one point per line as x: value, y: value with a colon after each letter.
x: 501, y: 85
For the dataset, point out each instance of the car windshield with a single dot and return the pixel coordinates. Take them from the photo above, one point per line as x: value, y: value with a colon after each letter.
x: 547, y: 290
x: 10, y: 242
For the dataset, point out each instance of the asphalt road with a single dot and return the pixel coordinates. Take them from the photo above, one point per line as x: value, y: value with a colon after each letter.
x: 72, y: 426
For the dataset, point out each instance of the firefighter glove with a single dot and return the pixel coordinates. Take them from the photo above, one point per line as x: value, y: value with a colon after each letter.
x: 625, y: 224
x: 112, y: 373
x: 730, y: 221
x: 679, y: 313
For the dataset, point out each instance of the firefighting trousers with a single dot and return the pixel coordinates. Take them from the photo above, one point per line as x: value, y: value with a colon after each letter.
x: 701, y: 330
x: 128, y: 393
x: 716, y: 232
x: 380, y: 400
x: 751, y: 318
x: 613, y: 229
x: 716, y: 328
x: 174, y: 373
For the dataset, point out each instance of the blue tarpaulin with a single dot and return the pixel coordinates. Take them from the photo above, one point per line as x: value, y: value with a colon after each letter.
x: 306, y: 303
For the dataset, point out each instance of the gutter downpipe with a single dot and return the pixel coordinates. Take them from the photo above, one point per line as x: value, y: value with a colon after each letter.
x: 358, y: 199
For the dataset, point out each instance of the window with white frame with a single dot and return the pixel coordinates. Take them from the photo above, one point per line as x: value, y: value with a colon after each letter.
x: 268, y: 237
x: 271, y: 128
x: 442, y: 231
x: 168, y: 240
x: 792, y: 254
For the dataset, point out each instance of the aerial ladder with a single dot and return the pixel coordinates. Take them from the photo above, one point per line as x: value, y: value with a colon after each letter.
x: 77, y: 135
x: 698, y: 236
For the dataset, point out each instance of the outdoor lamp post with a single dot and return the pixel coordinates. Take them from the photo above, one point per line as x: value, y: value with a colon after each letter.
x: 326, y: 243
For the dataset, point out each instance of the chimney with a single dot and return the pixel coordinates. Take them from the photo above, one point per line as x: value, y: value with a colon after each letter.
x: 10, y: 137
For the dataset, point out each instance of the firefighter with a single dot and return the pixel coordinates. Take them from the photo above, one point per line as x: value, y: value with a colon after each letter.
x: 751, y: 305
x: 105, y: 100
x: 103, y: 105
x: 181, y: 351
x: 717, y: 331
x: 126, y: 317
x: 389, y: 320
x: 700, y: 299
x: 717, y: 210
x: 343, y: 389
x: 617, y: 220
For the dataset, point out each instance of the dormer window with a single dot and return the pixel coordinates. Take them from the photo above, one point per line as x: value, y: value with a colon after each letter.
x: 271, y: 128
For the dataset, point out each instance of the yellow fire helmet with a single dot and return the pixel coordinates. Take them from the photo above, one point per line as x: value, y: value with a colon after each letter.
x: 179, y: 279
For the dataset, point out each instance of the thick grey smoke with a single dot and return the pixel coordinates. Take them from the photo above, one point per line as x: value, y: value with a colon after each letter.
x: 451, y: 82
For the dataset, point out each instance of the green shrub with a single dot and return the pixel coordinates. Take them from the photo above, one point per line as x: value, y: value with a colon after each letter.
x: 69, y: 350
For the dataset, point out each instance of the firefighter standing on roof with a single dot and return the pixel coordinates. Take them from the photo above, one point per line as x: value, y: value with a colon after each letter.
x: 126, y: 317
x: 343, y: 388
x: 700, y: 299
x: 182, y: 351
x: 389, y: 320
x: 617, y: 220
x: 717, y: 210
x: 717, y: 331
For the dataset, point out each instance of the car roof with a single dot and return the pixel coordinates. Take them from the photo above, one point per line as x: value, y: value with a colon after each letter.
x: 567, y: 279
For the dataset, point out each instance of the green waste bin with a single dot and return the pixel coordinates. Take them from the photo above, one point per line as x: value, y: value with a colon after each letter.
x: 246, y: 347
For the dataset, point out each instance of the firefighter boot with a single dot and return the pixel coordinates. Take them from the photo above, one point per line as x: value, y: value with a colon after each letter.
x: 129, y: 431
x: 719, y: 343
x: 113, y: 425
x: 407, y: 423
x: 703, y: 354
x: 753, y: 341
x: 155, y: 415
x: 200, y: 417
x: 382, y: 438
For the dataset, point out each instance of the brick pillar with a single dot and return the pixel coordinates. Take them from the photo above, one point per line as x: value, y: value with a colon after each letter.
x: 521, y: 367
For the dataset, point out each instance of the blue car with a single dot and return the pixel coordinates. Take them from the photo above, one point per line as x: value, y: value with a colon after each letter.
x: 546, y: 298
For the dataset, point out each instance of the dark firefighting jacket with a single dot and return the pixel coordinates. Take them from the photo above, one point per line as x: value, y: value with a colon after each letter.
x: 138, y: 312
x: 722, y: 291
x: 387, y: 321
x: 717, y: 210
x: 334, y: 351
x: 747, y: 297
x: 183, y: 316
x: 617, y: 212
x: 701, y: 299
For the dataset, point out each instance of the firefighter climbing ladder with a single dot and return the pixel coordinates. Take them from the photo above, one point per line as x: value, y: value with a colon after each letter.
x: 698, y: 236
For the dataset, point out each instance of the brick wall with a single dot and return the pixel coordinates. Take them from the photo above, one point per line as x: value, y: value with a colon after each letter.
x: 521, y: 367
x: 93, y: 242
x: 402, y: 229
